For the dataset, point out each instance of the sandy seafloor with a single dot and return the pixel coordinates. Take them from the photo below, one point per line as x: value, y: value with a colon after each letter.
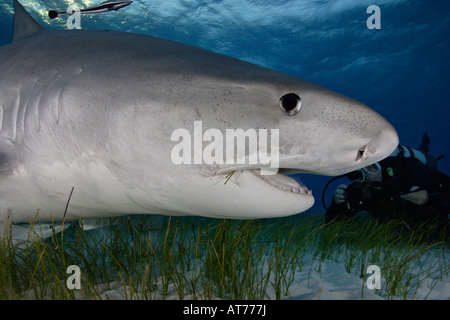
x: 329, y: 280
x: 332, y: 283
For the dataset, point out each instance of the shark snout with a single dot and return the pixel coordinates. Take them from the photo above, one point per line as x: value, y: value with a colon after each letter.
x: 380, y: 146
x: 363, y: 138
x: 368, y: 133
x: 378, y: 141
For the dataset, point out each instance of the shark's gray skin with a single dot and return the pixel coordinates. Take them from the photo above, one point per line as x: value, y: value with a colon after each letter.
x: 95, y: 110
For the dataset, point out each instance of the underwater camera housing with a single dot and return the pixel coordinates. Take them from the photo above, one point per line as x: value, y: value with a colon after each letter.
x: 360, y: 190
x: 357, y: 192
x: 355, y: 175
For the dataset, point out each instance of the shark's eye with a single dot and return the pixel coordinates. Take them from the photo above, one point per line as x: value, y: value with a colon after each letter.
x: 290, y: 104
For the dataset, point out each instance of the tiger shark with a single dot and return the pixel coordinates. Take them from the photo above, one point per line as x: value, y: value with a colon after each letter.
x: 94, y: 112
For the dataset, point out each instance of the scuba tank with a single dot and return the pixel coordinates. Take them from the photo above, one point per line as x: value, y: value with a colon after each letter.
x: 423, y: 156
x: 422, y: 153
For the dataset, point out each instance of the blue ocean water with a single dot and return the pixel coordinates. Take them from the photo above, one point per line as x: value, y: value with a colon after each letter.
x: 401, y: 70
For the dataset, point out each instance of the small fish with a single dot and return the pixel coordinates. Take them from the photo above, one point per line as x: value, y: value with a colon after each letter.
x: 102, y: 7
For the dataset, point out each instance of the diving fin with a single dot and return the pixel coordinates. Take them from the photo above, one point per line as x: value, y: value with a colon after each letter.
x: 424, y: 143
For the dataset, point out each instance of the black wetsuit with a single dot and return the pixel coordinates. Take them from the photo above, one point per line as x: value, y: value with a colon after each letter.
x: 383, y: 200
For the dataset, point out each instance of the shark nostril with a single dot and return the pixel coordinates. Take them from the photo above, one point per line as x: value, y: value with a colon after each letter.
x: 360, y: 155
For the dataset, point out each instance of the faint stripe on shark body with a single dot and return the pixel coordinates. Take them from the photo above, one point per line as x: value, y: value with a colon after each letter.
x: 73, y: 74
x: 32, y: 121
x: 28, y: 93
x: 9, y: 115
x: 49, y: 99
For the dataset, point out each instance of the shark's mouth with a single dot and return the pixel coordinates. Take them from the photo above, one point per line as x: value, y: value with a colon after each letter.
x: 278, y: 180
x: 283, y: 182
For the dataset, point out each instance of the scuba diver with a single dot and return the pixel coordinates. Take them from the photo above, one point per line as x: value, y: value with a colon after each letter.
x: 405, y: 185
